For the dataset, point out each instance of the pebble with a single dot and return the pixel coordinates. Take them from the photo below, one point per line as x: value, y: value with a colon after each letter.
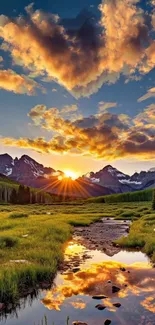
x: 115, y: 289
x: 100, y: 307
x: 99, y: 297
x: 107, y: 322
x: 117, y: 304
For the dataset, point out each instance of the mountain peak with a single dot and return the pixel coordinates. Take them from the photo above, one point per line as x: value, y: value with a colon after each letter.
x: 5, y: 155
x: 152, y: 169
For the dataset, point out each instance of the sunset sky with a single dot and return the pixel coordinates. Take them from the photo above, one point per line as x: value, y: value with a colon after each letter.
x: 77, y: 83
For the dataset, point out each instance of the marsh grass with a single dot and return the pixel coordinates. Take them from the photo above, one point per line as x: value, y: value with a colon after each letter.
x: 142, y: 235
x: 31, y: 244
x: 40, y: 239
x: 44, y: 321
x: 18, y: 215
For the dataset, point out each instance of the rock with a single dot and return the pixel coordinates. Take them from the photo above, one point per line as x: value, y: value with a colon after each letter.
x: 20, y: 261
x: 98, y: 297
x: 2, y: 306
x: 100, y: 307
x: 122, y: 269
x: 109, y: 281
x: 117, y: 304
x: 115, y: 289
x: 79, y: 323
x: 107, y: 322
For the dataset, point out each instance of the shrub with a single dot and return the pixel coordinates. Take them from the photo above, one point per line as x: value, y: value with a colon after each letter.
x: 18, y: 215
x: 8, y: 241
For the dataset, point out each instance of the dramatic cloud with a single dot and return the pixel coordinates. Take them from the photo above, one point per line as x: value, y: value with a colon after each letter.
x: 149, y: 94
x: 103, y: 136
x: 122, y: 43
x: 19, y: 84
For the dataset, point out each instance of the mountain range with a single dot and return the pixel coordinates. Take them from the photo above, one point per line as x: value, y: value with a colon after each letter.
x: 108, y: 180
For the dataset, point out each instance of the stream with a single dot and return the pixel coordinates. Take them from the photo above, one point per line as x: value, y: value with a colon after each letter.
x: 84, y: 287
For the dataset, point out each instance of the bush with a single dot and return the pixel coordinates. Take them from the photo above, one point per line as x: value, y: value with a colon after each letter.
x: 18, y: 215
x: 8, y: 241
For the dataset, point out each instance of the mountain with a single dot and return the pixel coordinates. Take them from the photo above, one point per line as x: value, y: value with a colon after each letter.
x: 23, y: 169
x: 119, y: 182
x: 29, y: 172
x: 108, y: 180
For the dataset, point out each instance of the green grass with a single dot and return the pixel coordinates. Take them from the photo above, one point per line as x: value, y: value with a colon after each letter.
x: 32, y: 240
x: 142, y: 235
x: 38, y: 240
x: 138, y: 196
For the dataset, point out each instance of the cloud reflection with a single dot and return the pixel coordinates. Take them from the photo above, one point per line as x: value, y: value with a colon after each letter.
x: 138, y: 279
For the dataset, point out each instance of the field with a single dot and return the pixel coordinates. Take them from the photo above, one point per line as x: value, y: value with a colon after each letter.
x: 33, y: 237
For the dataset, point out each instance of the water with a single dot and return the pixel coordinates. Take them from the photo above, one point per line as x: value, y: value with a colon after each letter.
x: 71, y: 293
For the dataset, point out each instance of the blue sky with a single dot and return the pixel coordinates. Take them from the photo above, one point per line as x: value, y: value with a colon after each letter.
x: 16, y: 104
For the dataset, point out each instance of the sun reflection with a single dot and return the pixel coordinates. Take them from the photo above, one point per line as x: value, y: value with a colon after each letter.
x: 74, y: 249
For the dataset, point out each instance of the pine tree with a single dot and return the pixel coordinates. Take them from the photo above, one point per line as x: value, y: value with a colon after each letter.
x: 27, y: 195
x: 33, y: 198
x: 13, y: 196
x: 153, y: 200
x: 21, y: 194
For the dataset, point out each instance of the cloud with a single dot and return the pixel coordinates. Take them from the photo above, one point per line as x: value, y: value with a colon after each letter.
x: 149, y: 94
x: 19, y: 84
x: 133, y: 78
x: 103, y: 106
x: 95, y: 54
x: 102, y: 136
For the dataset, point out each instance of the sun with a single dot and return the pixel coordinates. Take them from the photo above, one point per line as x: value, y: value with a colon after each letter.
x: 70, y: 174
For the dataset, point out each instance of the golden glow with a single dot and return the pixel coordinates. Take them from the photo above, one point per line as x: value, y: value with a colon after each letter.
x: 70, y: 174
x: 91, y: 281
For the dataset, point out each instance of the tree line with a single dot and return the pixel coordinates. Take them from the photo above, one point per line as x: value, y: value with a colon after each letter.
x: 21, y: 195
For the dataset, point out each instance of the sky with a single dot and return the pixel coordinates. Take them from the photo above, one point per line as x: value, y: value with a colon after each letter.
x: 77, y: 83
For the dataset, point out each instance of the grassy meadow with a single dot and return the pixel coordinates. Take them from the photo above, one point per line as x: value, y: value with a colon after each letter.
x: 33, y: 237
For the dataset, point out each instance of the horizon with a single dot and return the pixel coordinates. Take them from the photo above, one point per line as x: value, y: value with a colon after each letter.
x: 76, y: 173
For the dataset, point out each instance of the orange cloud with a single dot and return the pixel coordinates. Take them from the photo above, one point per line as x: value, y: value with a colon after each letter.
x: 104, y: 135
x: 82, y: 64
x: 19, y: 84
x: 149, y: 94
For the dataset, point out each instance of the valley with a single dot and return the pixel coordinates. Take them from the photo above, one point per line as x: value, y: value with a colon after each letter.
x: 45, y: 249
x: 108, y: 180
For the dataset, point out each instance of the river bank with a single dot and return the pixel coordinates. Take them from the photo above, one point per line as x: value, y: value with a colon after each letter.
x: 94, y: 266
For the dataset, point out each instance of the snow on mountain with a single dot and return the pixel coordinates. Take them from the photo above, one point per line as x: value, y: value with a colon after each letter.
x: 152, y: 170
x: 108, y: 180
x: 128, y: 181
x: 22, y: 168
x: 119, y: 182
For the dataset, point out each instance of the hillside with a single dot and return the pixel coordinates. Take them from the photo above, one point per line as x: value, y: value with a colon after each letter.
x: 12, y: 192
x: 137, y: 196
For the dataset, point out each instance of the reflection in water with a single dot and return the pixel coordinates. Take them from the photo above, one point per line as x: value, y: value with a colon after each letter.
x: 85, y: 276
x: 137, y: 279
